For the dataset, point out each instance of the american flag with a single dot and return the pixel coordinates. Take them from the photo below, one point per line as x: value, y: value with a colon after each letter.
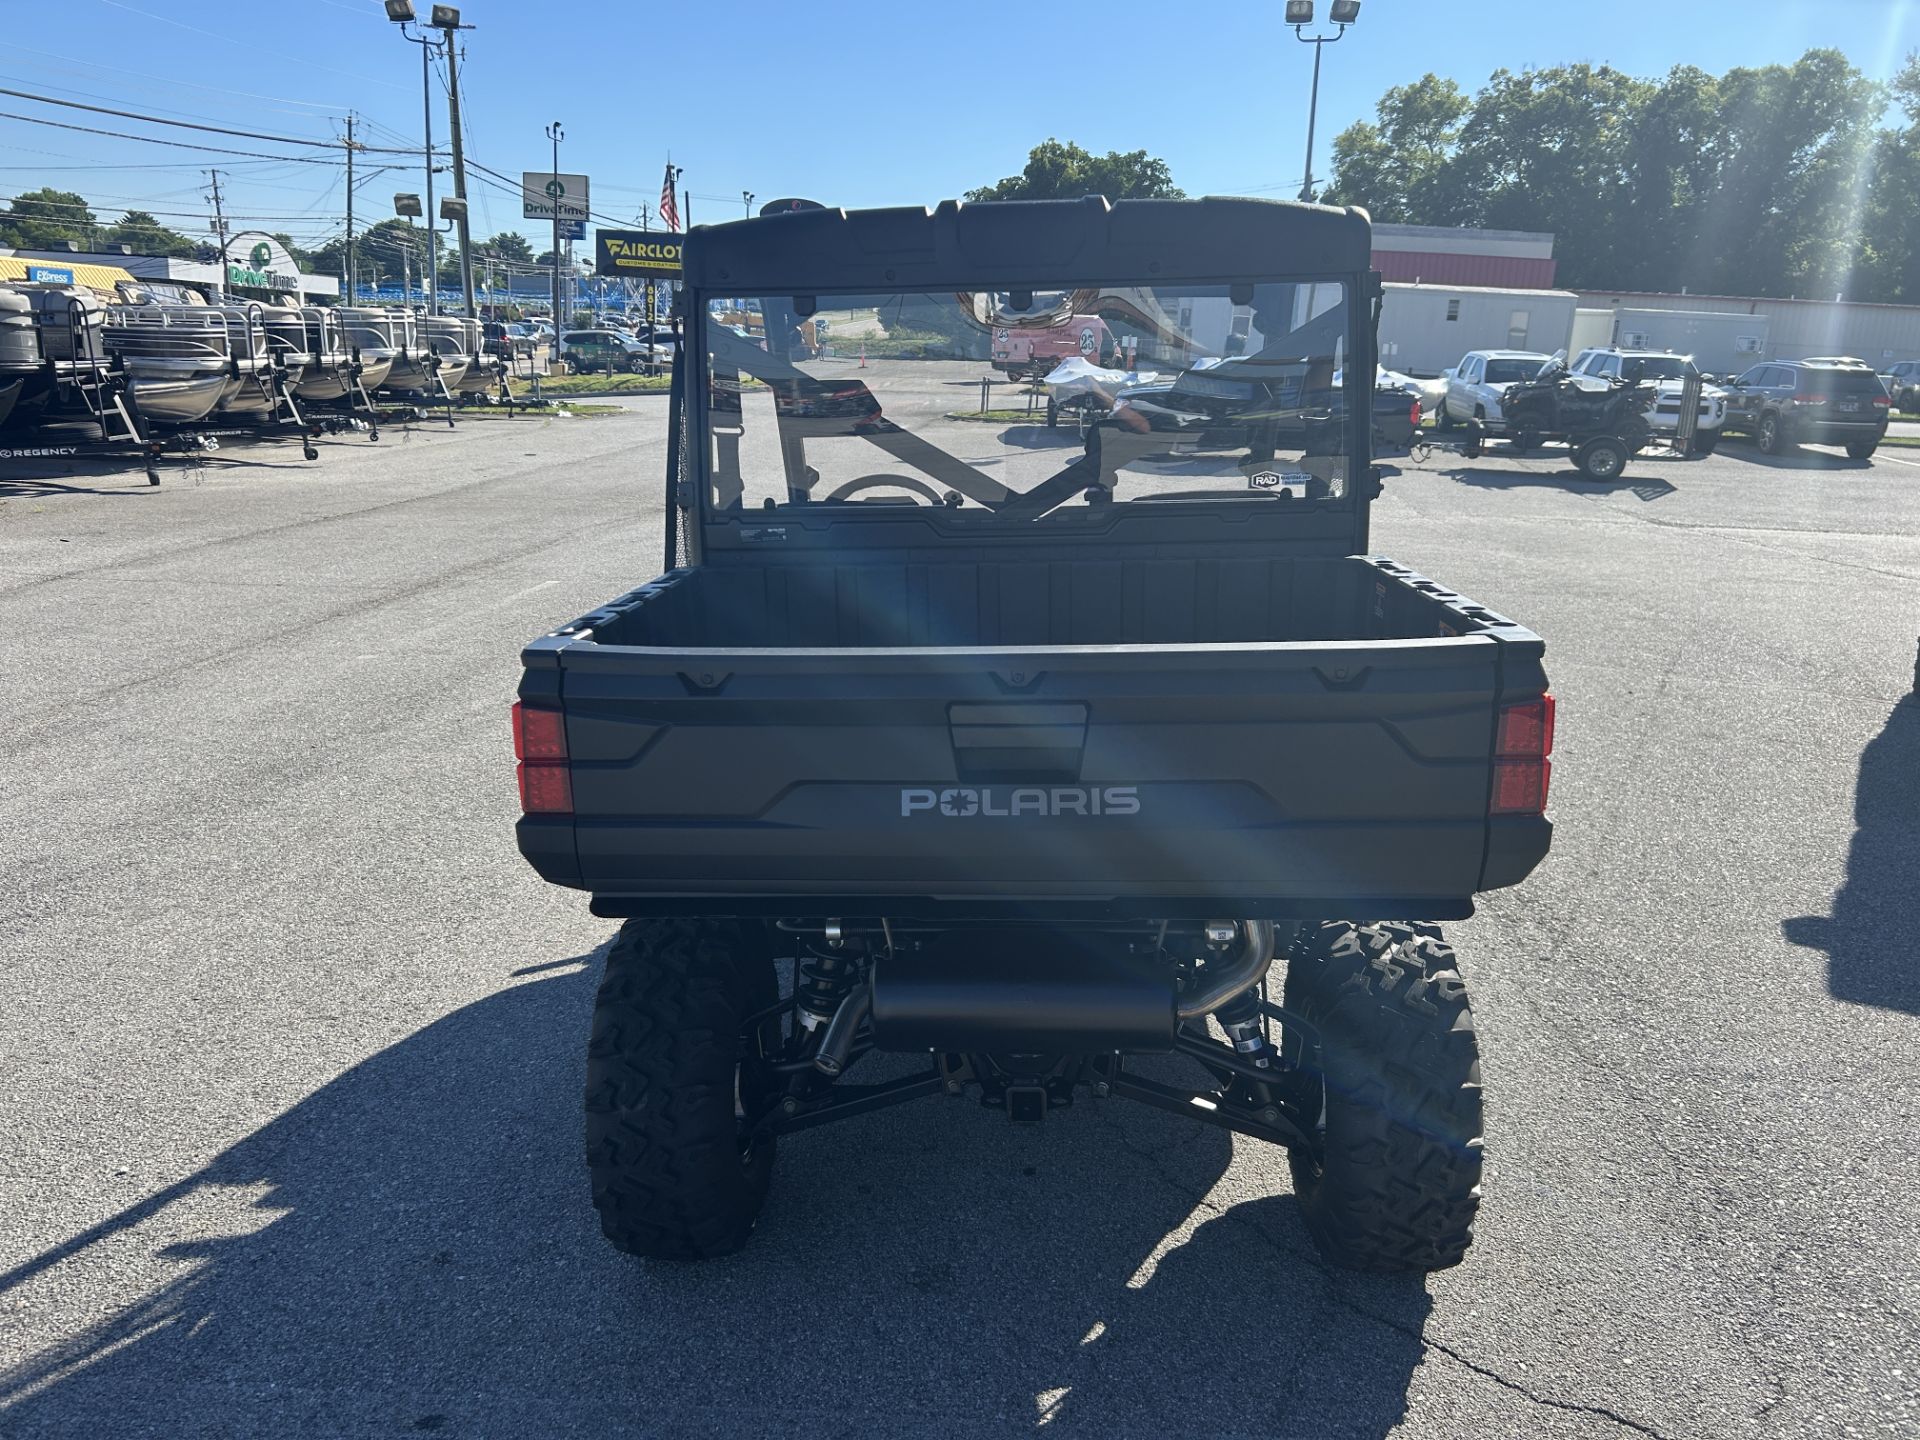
x: 669, y: 211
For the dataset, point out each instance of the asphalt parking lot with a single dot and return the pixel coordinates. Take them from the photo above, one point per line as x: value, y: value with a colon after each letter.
x: 292, y: 1045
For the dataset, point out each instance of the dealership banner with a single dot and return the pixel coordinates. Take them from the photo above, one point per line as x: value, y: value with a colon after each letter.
x: 637, y: 254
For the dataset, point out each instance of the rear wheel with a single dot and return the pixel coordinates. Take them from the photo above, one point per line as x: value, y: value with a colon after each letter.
x: 1441, y: 419
x: 1862, y: 449
x: 1396, y: 1185
x: 1602, y: 458
x: 1772, y: 438
x: 670, y: 1080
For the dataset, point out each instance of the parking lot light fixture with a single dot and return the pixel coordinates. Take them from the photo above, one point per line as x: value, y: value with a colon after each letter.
x: 446, y: 17
x: 1342, y: 13
x: 407, y: 205
x: 400, y: 11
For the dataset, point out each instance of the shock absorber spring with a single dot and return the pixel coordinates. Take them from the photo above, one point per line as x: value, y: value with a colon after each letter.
x: 824, y: 982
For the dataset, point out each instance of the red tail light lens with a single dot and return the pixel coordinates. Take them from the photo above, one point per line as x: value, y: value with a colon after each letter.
x: 1520, y: 786
x: 538, y: 734
x: 1413, y: 415
x: 1521, y: 770
x: 1808, y: 398
x: 545, y: 789
x: 1883, y: 401
x: 540, y: 745
x: 1526, y: 729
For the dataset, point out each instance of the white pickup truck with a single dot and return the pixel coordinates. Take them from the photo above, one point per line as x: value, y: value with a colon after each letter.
x: 1668, y: 373
x: 1475, y: 385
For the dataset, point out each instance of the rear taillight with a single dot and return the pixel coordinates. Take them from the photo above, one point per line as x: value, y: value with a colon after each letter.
x: 1521, y: 769
x: 540, y: 745
x: 1808, y: 398
x: 1882, y: 401
x: 1413, y: 415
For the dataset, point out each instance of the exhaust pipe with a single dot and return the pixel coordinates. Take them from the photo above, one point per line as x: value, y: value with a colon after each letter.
x: 1212, y: 990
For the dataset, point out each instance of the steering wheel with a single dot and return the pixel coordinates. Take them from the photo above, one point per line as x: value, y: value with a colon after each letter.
x: 900, y: 482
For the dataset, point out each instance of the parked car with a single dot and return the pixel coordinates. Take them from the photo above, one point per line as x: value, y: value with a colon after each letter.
x: 1668, y: 373
x: 1903, y: 383
x: 1479, y: 380
x: 1784, y: 403
x: 506, y: 342
x: 604, y: 350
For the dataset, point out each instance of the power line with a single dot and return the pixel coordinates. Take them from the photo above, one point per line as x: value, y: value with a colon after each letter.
x: 188, y: 124
x: 176, y: 144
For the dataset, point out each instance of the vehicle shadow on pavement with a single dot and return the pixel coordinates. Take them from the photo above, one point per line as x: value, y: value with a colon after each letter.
x: 1793, y: 459
x: 1642, y: 487
x: 1869, y: 958
x: 411, y: 1248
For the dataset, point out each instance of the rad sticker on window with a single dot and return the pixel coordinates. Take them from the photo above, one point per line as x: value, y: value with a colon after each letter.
x: 1276, y: 479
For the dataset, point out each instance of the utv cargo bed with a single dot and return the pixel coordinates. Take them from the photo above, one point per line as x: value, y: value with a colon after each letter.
x: 1148, y: 737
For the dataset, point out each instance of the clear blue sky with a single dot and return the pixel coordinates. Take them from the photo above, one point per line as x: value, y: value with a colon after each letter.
x: 848, y: 103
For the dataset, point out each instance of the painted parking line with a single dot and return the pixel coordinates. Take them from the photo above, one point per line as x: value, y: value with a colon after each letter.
x: 1898, y: 461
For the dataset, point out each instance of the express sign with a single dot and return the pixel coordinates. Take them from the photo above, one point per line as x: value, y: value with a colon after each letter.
x: 639, y: 254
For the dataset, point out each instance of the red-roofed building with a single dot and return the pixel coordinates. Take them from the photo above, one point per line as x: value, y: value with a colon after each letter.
x: 1442, y: 255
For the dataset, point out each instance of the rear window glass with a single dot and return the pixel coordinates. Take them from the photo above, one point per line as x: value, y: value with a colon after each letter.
x: 1841, y: 382
x: 1499, y: 372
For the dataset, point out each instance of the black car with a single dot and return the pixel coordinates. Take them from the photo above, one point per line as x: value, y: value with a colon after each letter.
x: 1784, y: 403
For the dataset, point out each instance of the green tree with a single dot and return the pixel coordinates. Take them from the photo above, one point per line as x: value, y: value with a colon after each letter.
x: 147, y: 236
x: 1771, y: 180
x: 1887, y: 263
x: 301, y: 258
x: 1399, y: 168
x: 1546, y: 150
x: 507, y: 245
x: 46, y: 219
x: 1061, y: 170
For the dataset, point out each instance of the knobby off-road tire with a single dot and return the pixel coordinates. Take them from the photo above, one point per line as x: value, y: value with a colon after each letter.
x: 673, y: 1178
x: 1398, y: 1182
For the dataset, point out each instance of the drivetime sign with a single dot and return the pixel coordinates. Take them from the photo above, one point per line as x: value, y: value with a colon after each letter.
x: 542, y: 193
x: 638, y: 254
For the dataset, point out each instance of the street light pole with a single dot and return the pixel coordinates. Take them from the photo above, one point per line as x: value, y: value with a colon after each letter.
x: 401, y: 13
x: 746, y: 202
x: 1341, y: 13
x: 556, y: 135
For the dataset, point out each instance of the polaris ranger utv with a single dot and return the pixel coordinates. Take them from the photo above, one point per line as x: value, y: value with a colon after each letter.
x: 1028, y: 752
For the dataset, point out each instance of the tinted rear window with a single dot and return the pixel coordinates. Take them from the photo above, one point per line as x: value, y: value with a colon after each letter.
x: 1499, y: 372
x: 1840, y: 382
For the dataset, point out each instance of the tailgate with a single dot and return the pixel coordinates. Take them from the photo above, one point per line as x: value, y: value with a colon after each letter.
x: 1277, y: 778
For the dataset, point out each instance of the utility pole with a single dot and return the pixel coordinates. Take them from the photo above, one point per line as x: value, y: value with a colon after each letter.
x: 349, y: 269
x: 459, y: 158
x: 432, y: 287
x: 219, y: 220
x: 556, y: 135
x: 686, y: 209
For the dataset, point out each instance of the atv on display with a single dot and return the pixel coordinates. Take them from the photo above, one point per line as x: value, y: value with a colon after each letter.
x: 1603, y: 422
x: 1031, y: 752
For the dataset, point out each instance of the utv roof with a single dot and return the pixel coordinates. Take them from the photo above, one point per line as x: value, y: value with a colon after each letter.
x: 1027, y: 243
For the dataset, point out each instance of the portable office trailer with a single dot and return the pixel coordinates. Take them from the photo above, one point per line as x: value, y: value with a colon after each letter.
x: 1426, y: 328
x: 1720, y: 343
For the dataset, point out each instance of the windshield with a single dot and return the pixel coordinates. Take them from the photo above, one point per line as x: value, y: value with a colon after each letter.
x: 1503, y: 372
x: 1659, y: 367
x: 1011, y: 407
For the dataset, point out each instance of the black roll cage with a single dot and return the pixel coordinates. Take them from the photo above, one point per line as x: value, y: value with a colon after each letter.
x: 1015, y: 245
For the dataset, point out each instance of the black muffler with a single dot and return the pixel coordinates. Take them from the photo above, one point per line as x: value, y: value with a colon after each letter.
x: 1023, y: 990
